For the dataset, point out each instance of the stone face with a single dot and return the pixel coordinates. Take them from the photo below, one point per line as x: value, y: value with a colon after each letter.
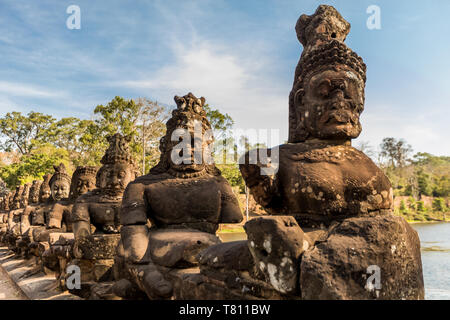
x: 337, y: 268
x: 276, y: 244
x: 34, y: 192
x: 60, y: 183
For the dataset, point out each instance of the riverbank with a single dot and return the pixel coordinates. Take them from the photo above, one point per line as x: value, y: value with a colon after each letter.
x: 424, y: 217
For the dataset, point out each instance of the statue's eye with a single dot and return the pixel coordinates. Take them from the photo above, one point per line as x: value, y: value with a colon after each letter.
x: 324, y: 89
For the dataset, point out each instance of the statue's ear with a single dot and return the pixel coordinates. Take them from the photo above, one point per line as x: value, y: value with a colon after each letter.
x: 298, y: 97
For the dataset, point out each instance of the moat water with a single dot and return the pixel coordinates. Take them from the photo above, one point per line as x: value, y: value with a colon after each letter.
x: 435, y: 246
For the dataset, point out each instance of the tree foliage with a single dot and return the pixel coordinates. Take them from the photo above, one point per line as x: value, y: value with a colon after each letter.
x: 42, y: 141
x: 24, y: 132
x: 395, y: 151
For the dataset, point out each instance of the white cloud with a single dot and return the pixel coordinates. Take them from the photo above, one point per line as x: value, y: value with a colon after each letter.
x: 26, y: 90
x: 426, y: 131
x: 227, y: 79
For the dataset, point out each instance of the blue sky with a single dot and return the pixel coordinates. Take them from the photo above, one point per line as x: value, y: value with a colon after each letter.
x: 240, y: 55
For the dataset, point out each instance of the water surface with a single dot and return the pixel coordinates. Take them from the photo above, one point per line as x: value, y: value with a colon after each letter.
x: 435, y: 247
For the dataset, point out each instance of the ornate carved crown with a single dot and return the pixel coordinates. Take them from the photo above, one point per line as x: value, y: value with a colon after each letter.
x: 60, y: 174
x: 45, y: 187
x: 329, y: 54
x: 85, y: 170
x: 118, y: 150
x: 34, y: 190
x: 189, y: 103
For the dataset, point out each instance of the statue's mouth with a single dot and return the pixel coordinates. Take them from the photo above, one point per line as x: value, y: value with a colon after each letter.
x: 338, y: 117
x: 339, y: 113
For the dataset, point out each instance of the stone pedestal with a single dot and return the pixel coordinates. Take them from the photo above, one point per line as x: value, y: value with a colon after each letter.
x: 94, y: 255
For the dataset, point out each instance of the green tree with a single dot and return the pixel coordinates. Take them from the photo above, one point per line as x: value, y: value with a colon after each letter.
x: 423, y: 181
x: 412, y: 204
x: 143, y: 121
x: 23, y: 133
x: 403, y: 208
x: 439, y: 205
x: 35, y: 165
x: 220, y: 123
x: 151, y: 127
x: 421, y: 206
x: 396, y: 151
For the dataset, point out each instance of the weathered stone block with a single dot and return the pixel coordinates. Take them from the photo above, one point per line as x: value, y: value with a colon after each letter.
x: 178, y: 247
x: 338, y: 267
x: 276, y: 244
x: 102, y: 246
x: 233, y: 255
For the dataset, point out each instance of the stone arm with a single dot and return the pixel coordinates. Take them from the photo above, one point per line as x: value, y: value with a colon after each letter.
x: 230, y: 212
x: 134, y: 231
x: 55, y: 216
x: 80, y: 219
x: 25, y: 219
x: 263, y: 187
x: 10, y: 219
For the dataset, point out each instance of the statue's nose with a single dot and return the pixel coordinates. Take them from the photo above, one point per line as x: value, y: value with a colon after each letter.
x: 114, y: 180
x: 337, y: 94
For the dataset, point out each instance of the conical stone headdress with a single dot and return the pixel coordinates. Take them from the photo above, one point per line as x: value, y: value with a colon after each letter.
x: 118, y: 150
x: 189, y: 109
x: 33, y: 196
x: 44, y: 191
x: 60, y: 174
x: 322, y: 36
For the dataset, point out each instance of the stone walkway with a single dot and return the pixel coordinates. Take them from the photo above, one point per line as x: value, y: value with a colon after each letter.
x: 30, y: 279
x: 8, y: 290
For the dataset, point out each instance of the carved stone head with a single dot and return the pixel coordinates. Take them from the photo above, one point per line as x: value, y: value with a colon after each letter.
x: 44, y: 191
x: 33, y: 196
x: 118, y: 166
x: 8, y: 200
x: 83, y: 180
x: 17, y: 197
x: 327, y: 97
x: 25, y: 195
x: 185, y: 148
x: 60, y: 183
